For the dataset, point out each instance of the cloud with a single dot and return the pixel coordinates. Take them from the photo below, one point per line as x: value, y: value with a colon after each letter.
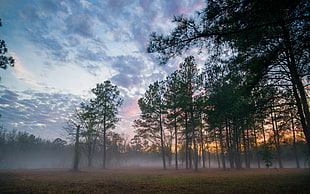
x: 21, y: 72
x: 81, y: 28
x: 93, y: 55
x: 130, y: 108
x: 128, y: 113
x: 30, y: 13
x: 50, y: 6
x: 33, y: 111
x: 106, y: 39
x: 128, y: 64
x: 8, y: 97
x: 80, y: 24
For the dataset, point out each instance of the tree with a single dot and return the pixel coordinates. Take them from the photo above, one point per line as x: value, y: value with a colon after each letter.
x: 260, y: 36
x: 174, y: 115
x: 89, y: 122
x: 73, y: 129
x: 5, y: 60
x: 150, y: 123
x: 191, y: 83
x: 105, y: 109
x: 76, y: 159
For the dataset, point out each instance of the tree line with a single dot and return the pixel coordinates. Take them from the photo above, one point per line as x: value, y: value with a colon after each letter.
x: 188, y: 112
x: 255, y: 82
x: 24, y: 150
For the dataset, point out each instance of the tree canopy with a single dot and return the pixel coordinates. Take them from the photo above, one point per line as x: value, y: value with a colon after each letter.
x: 5, y: 60
x: 265, y: 41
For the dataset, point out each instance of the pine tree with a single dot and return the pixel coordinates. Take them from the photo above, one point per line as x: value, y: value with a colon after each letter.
x: 105, y: 109
x: 151, y: 121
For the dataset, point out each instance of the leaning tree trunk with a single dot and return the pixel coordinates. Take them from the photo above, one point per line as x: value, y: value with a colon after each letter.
x: 298, y: 87
x: 305, y: 122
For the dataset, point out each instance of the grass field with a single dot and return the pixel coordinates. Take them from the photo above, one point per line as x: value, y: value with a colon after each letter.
x: 155, y: 180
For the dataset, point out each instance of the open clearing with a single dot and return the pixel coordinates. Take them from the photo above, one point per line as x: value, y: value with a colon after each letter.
x: 155, y: 180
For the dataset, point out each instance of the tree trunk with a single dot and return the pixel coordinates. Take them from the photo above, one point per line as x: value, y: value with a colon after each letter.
x: 190, y: 158
x: 208, y: 152
x: 104, y: 143
x: 222, y: 148
x: 176, y: 143
x: 104, y: 149
x: 298, y: 88
x: 229, y: 147
x: 162, y: 141
x: 248, y: 148
x: 305, y: 126
x: 276, y: 138
x: 76, y: 150
x: 89, y: 152
x: 256, y: 149
x: 187, y: 158
x: 245, y: 149
x: 202, y: 149
x: 294, y: 142
x: 236, y: 147
x: 263, y: 131
x: 217, y: 155
x: 194, y: 140
x: 209, y: 159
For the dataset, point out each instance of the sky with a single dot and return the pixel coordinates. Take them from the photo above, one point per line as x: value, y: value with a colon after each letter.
x: 62, y: 48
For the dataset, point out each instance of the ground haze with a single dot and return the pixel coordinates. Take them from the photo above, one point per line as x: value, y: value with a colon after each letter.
x: 155, y: 180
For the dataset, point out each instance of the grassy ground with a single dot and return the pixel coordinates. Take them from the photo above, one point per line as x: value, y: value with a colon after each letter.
x: 155, y: 180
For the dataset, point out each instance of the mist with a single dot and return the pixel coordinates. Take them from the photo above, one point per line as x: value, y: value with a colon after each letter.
x: 32, y: 159
x: 20, y: 150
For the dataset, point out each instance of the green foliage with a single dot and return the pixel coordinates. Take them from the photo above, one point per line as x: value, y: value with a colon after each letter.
x: 258, y: 53
x: 100, y: 113
x: 152, y: 109
x: 5, y: 60
x: 105, y: 104
x: 97, y: 116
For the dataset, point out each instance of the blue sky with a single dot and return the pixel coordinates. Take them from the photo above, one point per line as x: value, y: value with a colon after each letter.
x: 63, y: 48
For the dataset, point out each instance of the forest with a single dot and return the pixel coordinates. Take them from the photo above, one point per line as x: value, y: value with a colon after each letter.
x: 238, y: 99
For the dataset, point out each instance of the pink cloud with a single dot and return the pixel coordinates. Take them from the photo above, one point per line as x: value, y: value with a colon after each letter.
x: 131, y: 109
x: 200, y: 4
